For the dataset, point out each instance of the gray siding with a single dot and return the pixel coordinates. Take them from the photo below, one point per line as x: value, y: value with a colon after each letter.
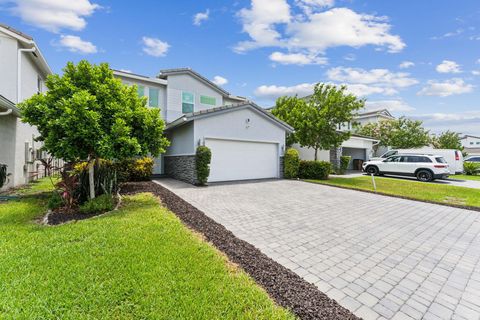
x: 181, y: 140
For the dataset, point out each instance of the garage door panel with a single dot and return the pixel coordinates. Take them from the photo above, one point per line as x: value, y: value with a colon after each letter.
x: 242, y: 160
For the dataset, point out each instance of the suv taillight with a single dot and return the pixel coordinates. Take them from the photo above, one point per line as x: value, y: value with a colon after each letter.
x: 457, y: 155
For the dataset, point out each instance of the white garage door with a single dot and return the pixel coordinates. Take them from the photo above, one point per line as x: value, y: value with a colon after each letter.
x: 242, y: 160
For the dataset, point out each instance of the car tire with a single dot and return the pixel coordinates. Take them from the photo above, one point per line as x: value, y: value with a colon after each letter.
x: 372, y: 170
x: 424, y: 176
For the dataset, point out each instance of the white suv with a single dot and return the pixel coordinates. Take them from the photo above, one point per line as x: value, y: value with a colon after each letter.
x: 425, y: 167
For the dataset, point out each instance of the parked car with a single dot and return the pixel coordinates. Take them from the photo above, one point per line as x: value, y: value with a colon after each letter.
x: 472, y: 159
x: 453, y: 157
x: 425, y: 168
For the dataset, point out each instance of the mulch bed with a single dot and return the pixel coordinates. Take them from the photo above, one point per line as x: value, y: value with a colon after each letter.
x: 283, y: 285
x: 62, y: 216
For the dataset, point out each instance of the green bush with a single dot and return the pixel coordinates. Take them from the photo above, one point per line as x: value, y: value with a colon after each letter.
x: 105, y: 179
x: 99, y: 204
x: 291, y: 164
x: 314, y: 170
x: 344, y: 161
x: 471, y: 168
x: 203, y: 157
x: 135, y: 169
x: 55, y: 201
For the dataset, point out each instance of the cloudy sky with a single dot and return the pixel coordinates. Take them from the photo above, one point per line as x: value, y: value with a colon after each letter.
x: 412, y: 57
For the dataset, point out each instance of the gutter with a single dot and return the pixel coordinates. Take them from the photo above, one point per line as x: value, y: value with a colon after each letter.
x: 19, y: 71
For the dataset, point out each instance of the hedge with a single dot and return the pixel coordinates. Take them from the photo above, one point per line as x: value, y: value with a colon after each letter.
x: 344, y: 161
x: 314, y: 170
x: 291, y: 164
x: 203, y: 157
x: 471, y: 168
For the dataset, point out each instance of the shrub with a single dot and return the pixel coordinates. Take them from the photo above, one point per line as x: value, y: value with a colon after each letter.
x: 55, y: 201
x: 314, y: 170
x: 141, y: 169
x: 471, y: 168
x: 291, y: 163
x: 3, y: 174
x: 105, y: 180
x: 344, y: 161
x: 99, y: 204
x: 203, y: 157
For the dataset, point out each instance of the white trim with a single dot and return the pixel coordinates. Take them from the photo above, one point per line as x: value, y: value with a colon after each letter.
x: 240, y: 140
x: 363, y: 138
x: 137, y: 77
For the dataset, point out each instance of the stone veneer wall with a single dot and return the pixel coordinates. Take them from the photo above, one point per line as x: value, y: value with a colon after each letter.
x: 181, y: 168
x: 335, y: 154
x: 282, y: 166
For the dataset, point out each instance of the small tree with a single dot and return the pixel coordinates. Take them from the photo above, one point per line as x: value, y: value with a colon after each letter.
x: 401, y: 133
x: 316, y: 120
x: 88, y: 114
x: 447, y: 140
x: 291, y: 163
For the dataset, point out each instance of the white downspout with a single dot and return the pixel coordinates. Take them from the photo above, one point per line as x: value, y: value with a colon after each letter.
x: 6, y: 113
x: 19, y: 71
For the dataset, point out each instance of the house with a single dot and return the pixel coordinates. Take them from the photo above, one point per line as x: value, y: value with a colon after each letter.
x: 23, y: 70
x: 471, y: 144
x: 246, y: 141
x: 358, y: 147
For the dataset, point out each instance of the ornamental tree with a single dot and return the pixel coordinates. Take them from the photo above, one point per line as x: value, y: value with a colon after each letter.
x: 400, y: 133
x: 316, y: 119
x: 88, y: 114
x: 447, y: 140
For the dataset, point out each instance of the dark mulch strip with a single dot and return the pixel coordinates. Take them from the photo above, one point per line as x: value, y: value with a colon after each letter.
x: 446, y: 204
x: 284, y: 286
x: 60, y: 217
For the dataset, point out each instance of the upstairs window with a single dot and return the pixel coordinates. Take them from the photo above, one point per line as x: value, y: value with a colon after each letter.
x: 39, y: 85
x: 141, y: 90
x: 187, y: 102
x: 208, y: 100
x: 153, y: 97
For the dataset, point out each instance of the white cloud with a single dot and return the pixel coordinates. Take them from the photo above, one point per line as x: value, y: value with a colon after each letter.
x: 76, y: 44
x: 54, y: 15
x: 304, y: 89
x: 406, y: 64
x: 463, y: 122
x: 391, y: 105
x: 219, y: 81
x: 155, y: 47
x: 476, y: 72
x: 297, y: 58
x: 200, y: 17
x: 448, y: 66
x: 269, y: 23
x: 446, y: 88
x: 273, y: 91
x: 373, y: 76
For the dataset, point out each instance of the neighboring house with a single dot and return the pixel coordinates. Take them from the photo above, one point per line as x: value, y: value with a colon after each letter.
x: 23, y: 71
x: 246, y: 141
x: 358, y: 147
x: 471, y: 144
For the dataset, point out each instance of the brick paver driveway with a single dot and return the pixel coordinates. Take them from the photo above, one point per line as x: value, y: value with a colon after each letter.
x: 380, y: 257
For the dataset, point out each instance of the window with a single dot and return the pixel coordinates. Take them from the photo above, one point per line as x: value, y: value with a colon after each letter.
x: 394, y: 159
x: 208, y: 100
x: 389, y: 153
x: 440, y: 160
x: 416, y: 159
x: 478, y: 142
x: 141, y: 90
x: 471, y: 142
x: 153, y: 97
x: 39, y: 85
x: 187, y: 102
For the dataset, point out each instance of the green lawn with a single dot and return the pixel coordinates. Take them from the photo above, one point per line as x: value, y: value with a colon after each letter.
x: 465, y: 177
x: 411, y: 189
x: 139, y: 262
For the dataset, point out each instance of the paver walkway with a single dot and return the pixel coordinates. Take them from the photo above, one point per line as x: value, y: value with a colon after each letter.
x: 378, y: 256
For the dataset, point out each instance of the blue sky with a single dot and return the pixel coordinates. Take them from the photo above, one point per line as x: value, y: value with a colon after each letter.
x: 417, y: 58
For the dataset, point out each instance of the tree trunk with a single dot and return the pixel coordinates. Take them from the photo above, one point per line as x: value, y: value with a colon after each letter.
x: 316, y: 151
x: 91, y: 176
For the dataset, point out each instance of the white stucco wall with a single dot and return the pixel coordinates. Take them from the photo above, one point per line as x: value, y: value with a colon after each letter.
x: 8, y: 67
x: 241, y: 124
x: 7, y: 144
x: 309, y: 153
x: 181, y: 140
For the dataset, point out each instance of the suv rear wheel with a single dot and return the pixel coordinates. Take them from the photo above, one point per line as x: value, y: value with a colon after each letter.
x: 372, y: 170
x: 424, y: 175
